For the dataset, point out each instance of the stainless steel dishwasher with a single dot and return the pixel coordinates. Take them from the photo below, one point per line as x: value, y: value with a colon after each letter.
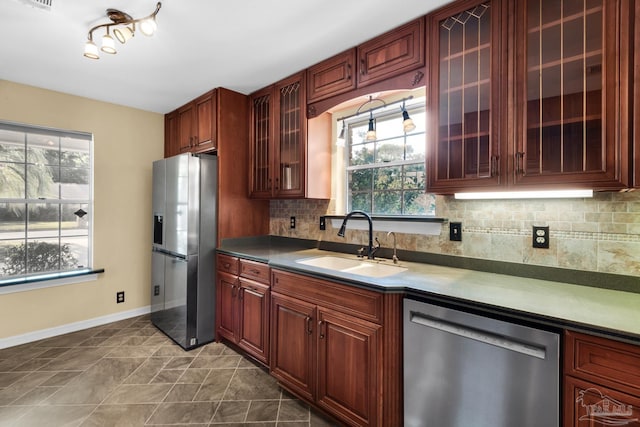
x: 462, y: 369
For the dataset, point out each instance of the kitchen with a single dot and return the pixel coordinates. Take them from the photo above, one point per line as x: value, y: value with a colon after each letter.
x: 598, y: 234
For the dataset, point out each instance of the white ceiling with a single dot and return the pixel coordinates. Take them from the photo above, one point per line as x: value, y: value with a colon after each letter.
x: 242, y: 45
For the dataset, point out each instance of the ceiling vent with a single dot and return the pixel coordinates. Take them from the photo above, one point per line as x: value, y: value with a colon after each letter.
x: 40, y: 4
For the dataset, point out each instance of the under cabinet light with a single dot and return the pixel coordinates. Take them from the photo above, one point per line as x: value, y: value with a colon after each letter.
x: 550, y: 194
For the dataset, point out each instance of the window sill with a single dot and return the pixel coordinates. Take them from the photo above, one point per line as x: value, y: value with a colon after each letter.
x: 427, y: 225
x: 30, y: 283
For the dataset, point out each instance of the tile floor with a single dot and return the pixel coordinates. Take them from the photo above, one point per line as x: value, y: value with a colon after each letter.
x: 129, y: 373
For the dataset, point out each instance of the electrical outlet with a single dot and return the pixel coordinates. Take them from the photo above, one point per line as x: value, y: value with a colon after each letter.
x: 323, y: 223
x: 541, y: 237
x: 119, y: 297
x: 455, y: 231
x: 156, y: 290
x: 293, y: 222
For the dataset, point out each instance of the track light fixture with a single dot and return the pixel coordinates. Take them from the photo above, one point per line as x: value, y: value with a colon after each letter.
x: 125, y: 27
x: 407, y: 123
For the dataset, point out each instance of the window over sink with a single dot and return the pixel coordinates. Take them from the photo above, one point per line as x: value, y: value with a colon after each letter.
x: 385, y: 175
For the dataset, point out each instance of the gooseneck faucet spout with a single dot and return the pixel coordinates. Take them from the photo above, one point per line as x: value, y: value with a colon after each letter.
x: 371, y: 250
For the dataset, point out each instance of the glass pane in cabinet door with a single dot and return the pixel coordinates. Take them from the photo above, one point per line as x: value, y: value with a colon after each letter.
x: 464, y: 97
x: 261, y: 161
x: 564, y: 86
x: 290, y: 134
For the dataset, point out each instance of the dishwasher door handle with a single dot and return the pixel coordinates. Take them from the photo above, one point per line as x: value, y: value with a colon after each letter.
x: 478, y: 335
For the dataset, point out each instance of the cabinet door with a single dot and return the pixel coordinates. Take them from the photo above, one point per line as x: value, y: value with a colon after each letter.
x: 589, y: 404
x: 171, y: 134
x: 390, y: 54
x: 572, y: 89
x: 332, y: 76
x: 290, y: 137
x: 260, y: 140
x: 186, y: 131
x: 205, y: 112
x: 465, y: 73
x: 227, y: 306
x: 293, y: 349
x: 253, y: 324
x: 348, y: 367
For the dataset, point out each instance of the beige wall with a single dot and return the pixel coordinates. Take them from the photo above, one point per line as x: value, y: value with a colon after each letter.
x: 126, y: 141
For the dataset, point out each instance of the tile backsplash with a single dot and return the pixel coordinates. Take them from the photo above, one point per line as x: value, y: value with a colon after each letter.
x: 601, y: 234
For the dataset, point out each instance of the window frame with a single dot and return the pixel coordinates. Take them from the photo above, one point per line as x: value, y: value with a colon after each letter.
x: 415, y: 107
x: 61, y: 275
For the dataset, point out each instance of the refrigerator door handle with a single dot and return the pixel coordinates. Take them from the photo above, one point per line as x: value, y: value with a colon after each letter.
x: 157, y: 229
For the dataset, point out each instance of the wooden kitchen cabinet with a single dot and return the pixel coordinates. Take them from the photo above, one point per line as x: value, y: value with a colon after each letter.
x: 601, y: 382
x: 197, y: 124
x: 466, y: 47
x: 280, y: 148
x: 171, y: 122
x: 242, y: 306
x: 332, y: 76
x: 397, y: 51
x: 336, y: 347
x: 545, y: 103
x: 572, y: 93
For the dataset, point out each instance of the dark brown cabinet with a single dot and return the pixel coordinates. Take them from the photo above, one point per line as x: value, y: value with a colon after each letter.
x: 280, y: 147
x: 242, y: 305
x: 466, y: 44
x: 572, y: 93
x: 397, y: 51
x: 602, y: 381
x: 332, y: 76
x: 327, y: 347
x: 171, y: 122
x: 541, y: 104
x: 197, y: 124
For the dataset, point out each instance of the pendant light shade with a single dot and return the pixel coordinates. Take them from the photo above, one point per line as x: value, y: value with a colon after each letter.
x: 407, y: 123
x: 108, y: 44
x: 371, y: 132
x: 123, y: 34
x: 91, y: 50
x: 340, y: 142
x: 148, y: 26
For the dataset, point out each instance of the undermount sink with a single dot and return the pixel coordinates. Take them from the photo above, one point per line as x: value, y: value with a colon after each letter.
x: 354, y: 266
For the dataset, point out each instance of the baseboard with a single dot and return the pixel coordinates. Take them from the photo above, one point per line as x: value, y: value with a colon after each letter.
x: 71, y: 327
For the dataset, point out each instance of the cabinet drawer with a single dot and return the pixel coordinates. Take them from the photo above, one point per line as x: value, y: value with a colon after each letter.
x: 607, y: 362
x: 254, y: 270
x: 332, y: 76
x: 346, y: 299
x: 228, y: 264
x: 589, y: 404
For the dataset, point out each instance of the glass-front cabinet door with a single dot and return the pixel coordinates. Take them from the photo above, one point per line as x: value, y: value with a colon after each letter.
x: 290, y: 134
x: 260, y: 138
x: 465, y: 80
x: 572, y: 93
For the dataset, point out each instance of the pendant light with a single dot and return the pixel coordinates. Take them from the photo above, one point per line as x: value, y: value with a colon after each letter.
x: 371, y: 132
x: 407, y: 123
x: 340, y: 142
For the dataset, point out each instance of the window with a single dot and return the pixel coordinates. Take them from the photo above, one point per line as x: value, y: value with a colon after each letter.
x: 387, y: 176
x: 45, y: 200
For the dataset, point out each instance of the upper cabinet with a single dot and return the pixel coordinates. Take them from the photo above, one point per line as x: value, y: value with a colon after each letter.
x: 279, y: 145
x: 572, y: 67
x: 192, y: 127
x: 465, y: 77
x: 332, y: 76
x: 531, y: 94
x: 392, y: 53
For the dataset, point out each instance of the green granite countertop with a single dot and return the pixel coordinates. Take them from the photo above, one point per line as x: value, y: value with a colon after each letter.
x: 612, y: 313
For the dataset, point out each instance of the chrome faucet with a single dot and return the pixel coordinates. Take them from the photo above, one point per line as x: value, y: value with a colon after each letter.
x: 395, y: 257
x: 371, y: 249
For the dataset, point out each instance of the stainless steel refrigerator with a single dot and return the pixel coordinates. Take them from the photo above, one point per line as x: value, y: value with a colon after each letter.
x: 184, y: 241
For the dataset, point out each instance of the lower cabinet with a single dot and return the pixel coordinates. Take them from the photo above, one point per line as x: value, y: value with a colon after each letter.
x: 242, y: 306
x: 327, y: 347
x: 601, y: 383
